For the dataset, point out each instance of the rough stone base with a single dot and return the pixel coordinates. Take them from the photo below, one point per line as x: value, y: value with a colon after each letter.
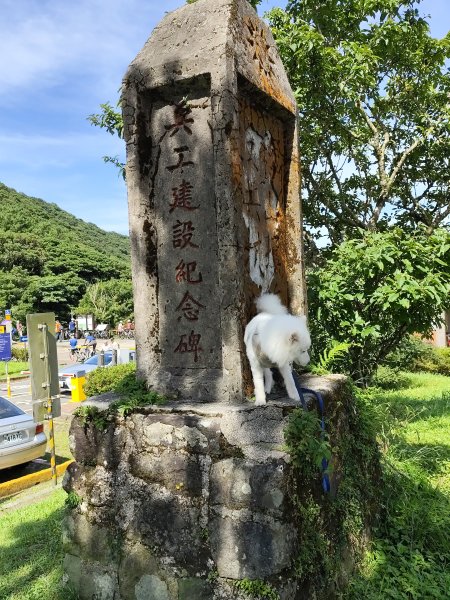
x: 178, y: 502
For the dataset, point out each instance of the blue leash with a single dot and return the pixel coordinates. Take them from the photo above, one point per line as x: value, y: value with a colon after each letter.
x: 301, y: 391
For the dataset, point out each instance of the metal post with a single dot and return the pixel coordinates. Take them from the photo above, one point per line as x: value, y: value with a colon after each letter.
x: 8, y: 381
x: 51, y: 433
x: 101, y: 358
x: 114, y: 357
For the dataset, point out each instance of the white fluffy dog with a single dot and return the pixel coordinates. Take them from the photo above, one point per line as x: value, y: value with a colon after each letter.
x: 274, y: 338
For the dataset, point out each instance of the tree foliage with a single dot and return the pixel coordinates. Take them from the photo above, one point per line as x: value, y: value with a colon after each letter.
x: 373, y: 90
x: 110, y: 119
x: 110, y: 301
x: 48, y: 257
x: 374, y: 291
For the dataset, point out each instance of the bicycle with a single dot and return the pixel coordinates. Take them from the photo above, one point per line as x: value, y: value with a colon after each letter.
x: 83, y: 353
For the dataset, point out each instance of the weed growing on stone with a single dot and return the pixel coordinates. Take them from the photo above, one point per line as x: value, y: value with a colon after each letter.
x: 121, y: 380
x: 73, y: 500
x: 305, y: 442
x: 331, y: 525
x: 100, y: 419
x: 256, y: 588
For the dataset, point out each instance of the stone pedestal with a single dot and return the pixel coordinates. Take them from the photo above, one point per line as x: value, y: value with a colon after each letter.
x: 213, y: 189
x: 190, y: 502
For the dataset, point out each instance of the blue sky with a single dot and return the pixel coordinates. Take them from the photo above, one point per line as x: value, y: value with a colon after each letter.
x: 60, y: 60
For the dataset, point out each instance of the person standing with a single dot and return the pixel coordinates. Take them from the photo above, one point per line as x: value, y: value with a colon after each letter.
x: 72, y: 326
x: 58, y: 328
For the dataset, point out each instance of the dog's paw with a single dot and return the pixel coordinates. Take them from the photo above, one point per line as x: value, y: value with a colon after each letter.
x: 260, y: 401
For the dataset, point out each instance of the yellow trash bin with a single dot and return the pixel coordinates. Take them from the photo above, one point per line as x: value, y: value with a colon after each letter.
x: 77, y: 391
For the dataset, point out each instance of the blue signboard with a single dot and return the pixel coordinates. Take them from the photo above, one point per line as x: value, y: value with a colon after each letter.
x: 24, y: 338
x: 5, y: 346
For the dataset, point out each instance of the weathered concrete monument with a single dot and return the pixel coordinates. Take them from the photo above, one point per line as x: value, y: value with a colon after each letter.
x: 199, y: 499
x: 213, y: 188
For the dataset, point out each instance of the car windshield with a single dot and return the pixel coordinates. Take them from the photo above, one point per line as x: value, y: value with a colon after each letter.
x: 94, y: 359
x: 7, y: 409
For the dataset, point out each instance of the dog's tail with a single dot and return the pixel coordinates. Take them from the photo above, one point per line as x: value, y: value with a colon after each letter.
x: 270, y: 303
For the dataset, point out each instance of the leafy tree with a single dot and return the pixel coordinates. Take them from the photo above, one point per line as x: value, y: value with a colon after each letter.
x: 374, y: 291
x: 48, y: 256
x: 373, y: 90
x: 111, y: 120
x: 110, y: 301
x: 21, y: 250
x: 53, y: 293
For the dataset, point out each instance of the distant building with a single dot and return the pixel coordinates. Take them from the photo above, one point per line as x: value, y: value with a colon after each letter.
x: 441, y: 336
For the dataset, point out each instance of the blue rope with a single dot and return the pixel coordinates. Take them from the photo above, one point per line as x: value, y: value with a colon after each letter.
x: 301, y: 391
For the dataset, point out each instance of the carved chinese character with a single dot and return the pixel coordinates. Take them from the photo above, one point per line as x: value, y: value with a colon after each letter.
x: 189, y: 344
x: 184, y: 272
x: 182, y: 196
x: 260, y: 46
x: 182, y: 233
x: 181, y: 162
x: 180, y: 113
x: 190, y: 307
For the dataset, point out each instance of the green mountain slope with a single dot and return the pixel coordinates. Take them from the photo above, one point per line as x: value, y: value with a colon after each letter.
x: 48, y: 256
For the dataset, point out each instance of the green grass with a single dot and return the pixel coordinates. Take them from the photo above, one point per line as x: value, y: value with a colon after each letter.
x: 14, y: 369
x: 31, y: 552
x: 61, y: 430
x: 410, y: 554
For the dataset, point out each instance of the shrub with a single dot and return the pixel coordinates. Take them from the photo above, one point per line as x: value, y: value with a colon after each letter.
x: 388, y: 378
x: 108, y: 379
x: 409, y: 351
x: 435, y: 361
x: 374, y: 291
x: 20, y: 354
x: 122, y: 380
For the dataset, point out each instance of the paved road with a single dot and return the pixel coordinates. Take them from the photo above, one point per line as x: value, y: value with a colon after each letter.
x: 21, y: 396
x: 21, y: 388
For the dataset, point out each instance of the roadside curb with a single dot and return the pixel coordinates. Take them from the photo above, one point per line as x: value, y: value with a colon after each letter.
x: 22, y: 483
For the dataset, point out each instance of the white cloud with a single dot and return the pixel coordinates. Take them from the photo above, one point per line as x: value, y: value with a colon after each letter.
x: 47, y: 42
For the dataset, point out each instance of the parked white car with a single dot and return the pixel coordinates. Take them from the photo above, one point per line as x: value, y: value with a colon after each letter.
x: 21, y: 438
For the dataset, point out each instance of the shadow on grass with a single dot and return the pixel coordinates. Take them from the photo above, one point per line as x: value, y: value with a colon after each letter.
x: 404, y: 406
x: 431, y: 458
x: 31, y: 554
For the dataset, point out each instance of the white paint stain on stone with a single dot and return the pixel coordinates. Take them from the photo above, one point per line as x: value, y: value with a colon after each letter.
x: 259, y: 198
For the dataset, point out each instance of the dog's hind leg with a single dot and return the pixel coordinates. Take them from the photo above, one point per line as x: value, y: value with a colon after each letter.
x: 258, y: 382
x: 286, y: 372
x: 268, y: 381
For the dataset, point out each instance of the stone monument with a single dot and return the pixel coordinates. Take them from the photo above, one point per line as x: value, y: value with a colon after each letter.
x: 199, y: 499
x: 213, y: 189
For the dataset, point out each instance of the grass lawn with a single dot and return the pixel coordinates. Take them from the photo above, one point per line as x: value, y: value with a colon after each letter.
x: 31, y: 552
x: 410, y: 554
x: 14, y: 369
x: 61, y: 431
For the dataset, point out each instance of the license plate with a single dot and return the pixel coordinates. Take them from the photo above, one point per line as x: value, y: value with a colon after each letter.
x: 13, y: 437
